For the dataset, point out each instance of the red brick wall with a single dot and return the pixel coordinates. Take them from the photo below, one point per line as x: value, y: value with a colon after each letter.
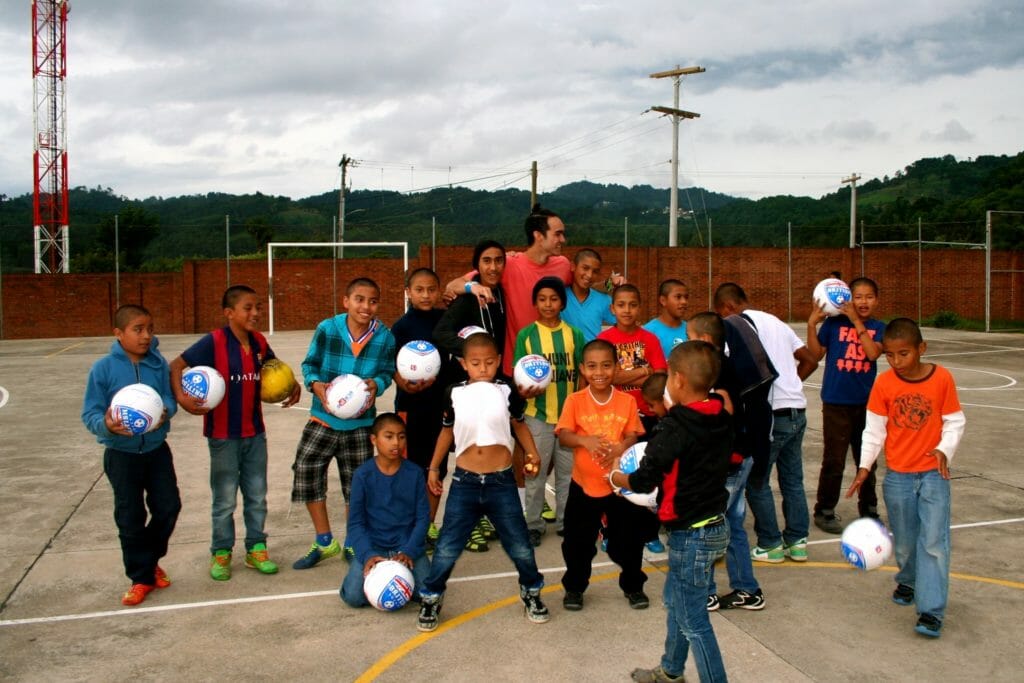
x: 37, y: 306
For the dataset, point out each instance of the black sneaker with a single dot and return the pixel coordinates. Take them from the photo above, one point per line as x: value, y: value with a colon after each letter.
x: 536, y: 610
x: 573, y: 601
x: 638, y: 600
x: 430, y: 611
x: 903, y: 595
x: 870, y: 511
x: 828, y: 521
x: 743, y: 600
x: 928, y: 625
x: 713, y: 602
x: 535, y: 535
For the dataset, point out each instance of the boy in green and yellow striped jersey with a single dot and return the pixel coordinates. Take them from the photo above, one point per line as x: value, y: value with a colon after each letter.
x: 562, y: 345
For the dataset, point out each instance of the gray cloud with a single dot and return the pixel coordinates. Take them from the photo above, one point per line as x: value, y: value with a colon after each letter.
x: 953, y: 131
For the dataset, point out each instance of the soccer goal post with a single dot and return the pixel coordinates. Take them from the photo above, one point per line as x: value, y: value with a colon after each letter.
x: 334, y: 275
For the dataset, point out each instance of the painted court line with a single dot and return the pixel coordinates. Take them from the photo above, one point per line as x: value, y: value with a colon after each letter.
x: 982, y: 405
x: 66, y: 348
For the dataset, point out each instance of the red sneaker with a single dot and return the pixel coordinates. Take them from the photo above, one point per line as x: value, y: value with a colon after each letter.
x: 162, y: 580
x: 136, y: 594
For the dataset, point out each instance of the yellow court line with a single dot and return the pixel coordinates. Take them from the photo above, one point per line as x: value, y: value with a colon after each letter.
x: 388, y: 660
x: 66, y: 348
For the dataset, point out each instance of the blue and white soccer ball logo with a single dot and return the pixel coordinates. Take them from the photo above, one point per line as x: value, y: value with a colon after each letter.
x: 424, y: 348
x: 532, y: 371
x: 196, y: 384
x: 396, y: 594
x: 837, y: 292
x: 866, y: 543
x: 418, y: 361
x: 135, y: 420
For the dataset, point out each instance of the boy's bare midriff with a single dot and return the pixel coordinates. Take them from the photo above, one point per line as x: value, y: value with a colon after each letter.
x: 484, y: 459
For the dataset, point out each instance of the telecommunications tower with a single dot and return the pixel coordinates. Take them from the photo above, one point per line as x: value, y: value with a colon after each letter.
x: 50, y: 154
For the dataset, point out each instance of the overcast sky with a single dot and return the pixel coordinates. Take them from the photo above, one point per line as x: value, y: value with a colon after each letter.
x: 194, y: 96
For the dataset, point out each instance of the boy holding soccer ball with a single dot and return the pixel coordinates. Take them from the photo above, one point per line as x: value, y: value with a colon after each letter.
x: 688, y: 457
x: 914, y: 411
x: 139, y: 467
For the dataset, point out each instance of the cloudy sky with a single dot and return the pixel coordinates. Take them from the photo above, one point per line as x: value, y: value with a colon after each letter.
x: 193, y: 96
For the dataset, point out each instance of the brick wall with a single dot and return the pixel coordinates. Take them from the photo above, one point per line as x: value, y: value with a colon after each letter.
x: 38, y: 306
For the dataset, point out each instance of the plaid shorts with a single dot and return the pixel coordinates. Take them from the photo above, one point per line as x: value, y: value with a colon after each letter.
x: 320, y: 443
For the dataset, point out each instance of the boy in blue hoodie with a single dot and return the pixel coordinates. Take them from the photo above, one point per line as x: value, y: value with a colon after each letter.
x: 139, y: 467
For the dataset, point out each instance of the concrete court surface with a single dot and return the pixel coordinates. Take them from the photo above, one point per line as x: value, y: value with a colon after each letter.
x: 61, y: 575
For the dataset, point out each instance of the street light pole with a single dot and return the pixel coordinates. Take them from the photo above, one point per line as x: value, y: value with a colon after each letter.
x: 852, y: 180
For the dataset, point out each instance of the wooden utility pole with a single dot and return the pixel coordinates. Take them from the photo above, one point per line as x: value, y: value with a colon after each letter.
x: 852, y: 180
x: 533, y: 185
x: 676, y: 113
x: 344, y: 164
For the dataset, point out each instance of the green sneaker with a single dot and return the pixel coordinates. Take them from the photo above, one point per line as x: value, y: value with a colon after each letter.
x: 433, y: 533
x: 350, y: 553
x: 547, y: 514
x: 771, y: 555
x: 258, y: 559
x: 317, y: 553
x: 487, y: 529
x: 797, y: 551
x: 220, y: 565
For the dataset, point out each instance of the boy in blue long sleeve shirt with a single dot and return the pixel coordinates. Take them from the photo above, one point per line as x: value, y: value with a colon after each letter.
x: 139, y: 467
x: 388, y: 513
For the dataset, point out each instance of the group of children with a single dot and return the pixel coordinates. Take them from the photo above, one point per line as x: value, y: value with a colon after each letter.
x: 690, y: 399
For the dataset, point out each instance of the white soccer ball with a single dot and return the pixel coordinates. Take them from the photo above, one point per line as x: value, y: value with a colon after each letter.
x: 388, y: 586
x: 204, y: 383
x: 830, y: 294
x: 418, y: 361
x: 532, y: 372
x: 138, y: 407
x: 347, y: 397
x: 471, y: 329
x: 866, y: 543
x: 629, y: 462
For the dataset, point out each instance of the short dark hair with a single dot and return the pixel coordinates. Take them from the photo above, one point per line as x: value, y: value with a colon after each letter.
x: 599, y: 345
x: 127, y: 313
x: 384, y: 419
x: 586, y: 253
x: 711, y: 324
x: 653, y: 387
x: 421, y: 271
x: 666, y: 286
x: 698, y: 361
x: 866, y: 281
x: 478, y: 340
x: 905, y: 329
x: 729, y: 293
x: 626, y: 288
x: 553, y: 283
x: 361, y: 282
x: 233, y: 293
x: 537, y: 221
x: 481, y: 247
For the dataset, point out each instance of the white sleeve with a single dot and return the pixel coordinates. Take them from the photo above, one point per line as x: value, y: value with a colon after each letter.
x: 952, y: 431
x: 872, y: 439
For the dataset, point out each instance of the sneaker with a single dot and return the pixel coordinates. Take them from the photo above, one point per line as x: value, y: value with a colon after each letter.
x: 903, y: 595
x: 259, y: 559
x: 136, y: 594
x: 536, y: 610
x: 348, y: 553
x: 433, y: 533
x: 572, y: 601
x: 713, y: 602
x: 828, y: 521
x: 477, y: 542
x: 638, y: 600
x: 771, y: 555
x: 927, y: 625
x: 871, y: 511
x: 220, y: 565
x: 743, y: 600
x: 796, y: 551
x: 560, y: 533
x: 655, y: 675
x: 162, y: 580
x: 430, y: 612
x: 535, y: 535
x: 655, y: 546
x: 317, y: 553
x: 488, y: 530
x: 547, y: 514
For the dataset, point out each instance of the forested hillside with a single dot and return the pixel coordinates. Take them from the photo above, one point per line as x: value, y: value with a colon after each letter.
x: 950, y: 197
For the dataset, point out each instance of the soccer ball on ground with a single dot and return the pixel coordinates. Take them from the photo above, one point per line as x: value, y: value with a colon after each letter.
x: 388, y: 586
x: 866, y: 543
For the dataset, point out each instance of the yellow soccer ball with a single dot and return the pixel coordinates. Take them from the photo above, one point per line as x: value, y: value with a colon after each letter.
x: 277, y: 381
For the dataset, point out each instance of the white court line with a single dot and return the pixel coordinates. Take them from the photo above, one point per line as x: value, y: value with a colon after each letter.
x: 982, y: 405
x: 334, y: 591
x: 970, y: 343
x: 965, y: 353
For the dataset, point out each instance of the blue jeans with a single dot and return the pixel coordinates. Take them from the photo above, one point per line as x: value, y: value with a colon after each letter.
x: 471, y: 495
x: 787, y: 456
x: 737, y: 556
x: 918, y: 507
x: 351, y: 590
x: 691, y: 554
x: 234, y: 464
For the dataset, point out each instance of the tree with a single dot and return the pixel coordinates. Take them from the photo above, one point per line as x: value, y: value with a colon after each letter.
x: 136, y: 228
x: 260, y: 230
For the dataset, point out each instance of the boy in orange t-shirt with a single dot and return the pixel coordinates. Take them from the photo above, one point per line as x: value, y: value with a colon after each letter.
x: 599, y: 423
x: 914, y: 409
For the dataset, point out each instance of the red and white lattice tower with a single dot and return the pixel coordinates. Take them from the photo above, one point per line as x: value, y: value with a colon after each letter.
x: 50, y: 154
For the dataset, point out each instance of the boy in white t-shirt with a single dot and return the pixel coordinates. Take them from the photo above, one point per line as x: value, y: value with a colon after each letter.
x: 477, y: 417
